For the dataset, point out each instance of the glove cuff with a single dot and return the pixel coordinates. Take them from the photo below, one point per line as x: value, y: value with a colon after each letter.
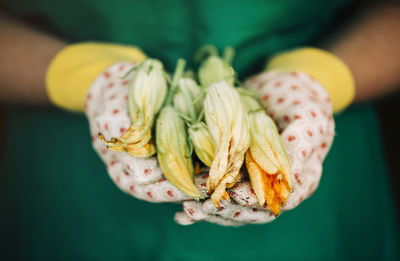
x: 75, y: 67
x: 325, y: 67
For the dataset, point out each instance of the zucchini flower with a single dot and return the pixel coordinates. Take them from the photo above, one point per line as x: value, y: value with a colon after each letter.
x: 202, y: 142
x: 188, y: 100
x: 214, y: 68
x: 228, y: 124
x: 174, y: 151
x: 147, y: 92
x: 266, y: 160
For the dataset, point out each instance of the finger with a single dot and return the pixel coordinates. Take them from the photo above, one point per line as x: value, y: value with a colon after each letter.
x: 305, y: 183
x: 237, y: 213
x: 243, y: 194
x: 183, y: 219
x: 306, y: 177
x: 224, y: 222
x: 306, y: 153
x: 161, y: 190
x: 200, y: 181
x: 155, y: 188
x: 194, y: 209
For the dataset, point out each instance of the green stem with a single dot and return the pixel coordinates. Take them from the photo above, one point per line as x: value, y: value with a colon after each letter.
x: 250, y: 103
x: 129, y: 72
x: 200, y: 117
x: 184, y: 117
x: 201, y: 95
x: 246, y: 92
x: 228, y: 55
x: 179, y: 69
x: 230, y: 76
x: 205, y: 51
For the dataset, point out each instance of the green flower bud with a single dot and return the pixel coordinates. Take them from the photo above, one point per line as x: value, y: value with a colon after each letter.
x: 202, y: 142
x: 187, y: 100
x: 250, y: 100
x: 214, y: 69
x: 174, y: 152
x: 146, y: 95
x: 147, y: 91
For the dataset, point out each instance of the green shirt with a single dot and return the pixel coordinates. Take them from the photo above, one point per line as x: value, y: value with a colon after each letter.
x: 60, y: 204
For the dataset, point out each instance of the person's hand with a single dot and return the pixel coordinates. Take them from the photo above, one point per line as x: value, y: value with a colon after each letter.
x: 302, y: 109
x: 68, y: 79
x: 107, y: 112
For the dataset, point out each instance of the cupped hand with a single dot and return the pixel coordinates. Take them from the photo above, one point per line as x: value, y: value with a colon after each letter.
x: 107, y: 111
x: 302, y: 109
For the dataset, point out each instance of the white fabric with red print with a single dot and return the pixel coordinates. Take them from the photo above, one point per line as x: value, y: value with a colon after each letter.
x: 299, y: 105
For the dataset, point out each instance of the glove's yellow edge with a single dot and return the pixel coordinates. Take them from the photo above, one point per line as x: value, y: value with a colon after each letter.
x: 325, y: 67
x: 74, y: 68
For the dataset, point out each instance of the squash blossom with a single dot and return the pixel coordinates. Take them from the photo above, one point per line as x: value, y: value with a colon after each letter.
x: 214, y: 68
x: 228, y: 123
x: 202, y: 142
x: 147, y: 92
x: 174, y: 153
x: 266, y: 160
x: 188, y: 100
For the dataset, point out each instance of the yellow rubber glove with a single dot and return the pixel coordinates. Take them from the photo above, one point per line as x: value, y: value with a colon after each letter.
x: 323, y: 66
x: 75, y: 67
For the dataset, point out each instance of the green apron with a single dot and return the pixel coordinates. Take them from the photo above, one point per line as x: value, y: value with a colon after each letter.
x: 58, y: 202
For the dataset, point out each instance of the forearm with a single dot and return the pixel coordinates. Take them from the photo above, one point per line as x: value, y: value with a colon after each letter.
x: 370, y: 47
x: 25, y: 54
